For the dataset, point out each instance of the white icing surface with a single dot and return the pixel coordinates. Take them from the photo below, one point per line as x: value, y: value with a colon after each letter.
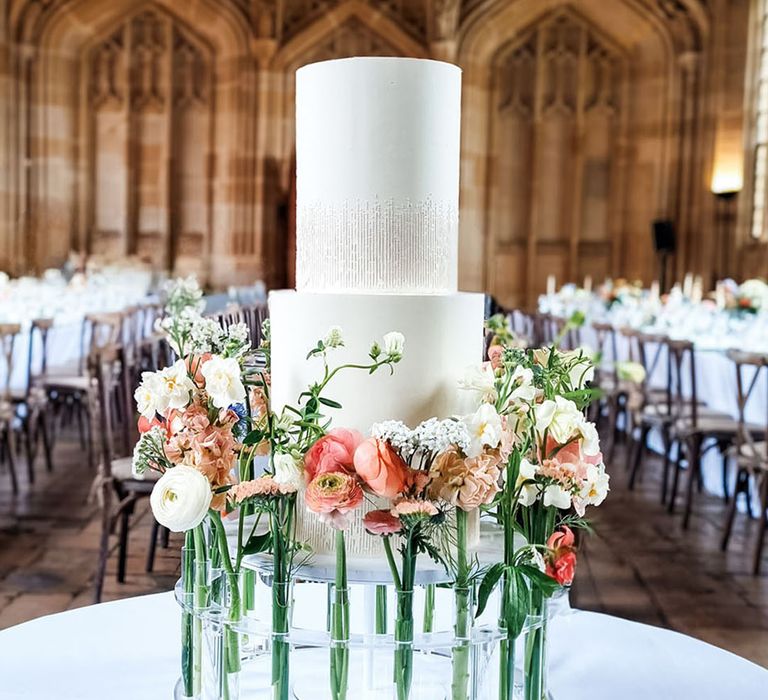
x: 443, y: 334
x: 377, y: 172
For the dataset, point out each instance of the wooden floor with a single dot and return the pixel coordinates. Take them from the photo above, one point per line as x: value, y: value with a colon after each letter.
x: 639, y: 564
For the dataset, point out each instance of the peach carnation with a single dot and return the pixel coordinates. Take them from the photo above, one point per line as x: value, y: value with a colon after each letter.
x: 263, y: 486
x: 467, y: 482
x: 413, y: 507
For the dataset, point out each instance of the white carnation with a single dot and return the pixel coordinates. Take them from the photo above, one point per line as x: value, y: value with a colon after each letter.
x: 180, y: 499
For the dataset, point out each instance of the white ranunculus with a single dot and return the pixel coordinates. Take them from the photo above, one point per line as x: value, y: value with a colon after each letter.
x: 561, y: 417
x: 180, y: 499
x: 334, y: 338
x: 481, y: 380
x: 394, y: 343
x: 176, y: 386
x: 485, y: 428
x: 555, y: 495
x: 288, y: 471
x: 590, y: 440
x: 149, y: 394
x: 223, y: 381
x: 528, y: 492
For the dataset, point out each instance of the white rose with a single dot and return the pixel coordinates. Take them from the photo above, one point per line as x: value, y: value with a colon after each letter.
x: 561, y: 417
x: 176, y: 386
x: 288, y: 471
x: 394, y: 343
x: 555, y: 495
x: 590, y: 440
x: 485, y: 428
x: 528, y: 492
x: 223, y: 382
x: 180, y: 499
x: 148, y: 396
x: 481, y: 380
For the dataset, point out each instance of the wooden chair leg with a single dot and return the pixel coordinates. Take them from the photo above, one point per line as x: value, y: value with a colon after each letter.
x: 694, y: 465
x: 613, y: 411
x: 165, y: 535
x: 10, y: 449
x: 106, y: 526
x: 78, y: 409
x: 152, y: 547
x: 638, y: 455
x: 762, y: 526
x: 667, y: 443
x: 724, y: 454
x: 676, y: 477
x: 122, y: 552
x: 43, y: 428
x: 27, y: 427
x: 741, y: 475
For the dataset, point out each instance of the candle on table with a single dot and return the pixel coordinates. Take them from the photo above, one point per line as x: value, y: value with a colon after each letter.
x: 655, y: 290
x: 551, y: 285
x: 588, y: 283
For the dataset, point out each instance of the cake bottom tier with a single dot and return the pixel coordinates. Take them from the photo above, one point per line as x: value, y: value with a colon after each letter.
x: 443, y: 334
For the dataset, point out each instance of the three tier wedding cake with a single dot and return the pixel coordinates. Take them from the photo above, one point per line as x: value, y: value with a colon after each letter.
x: 377, y: 155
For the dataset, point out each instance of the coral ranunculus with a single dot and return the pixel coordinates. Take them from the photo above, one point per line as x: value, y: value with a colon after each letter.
x: 333, y: 495
x: 561, y: 557
x: 333, y: 452
x: 382, y: 470
x: 382, y: 522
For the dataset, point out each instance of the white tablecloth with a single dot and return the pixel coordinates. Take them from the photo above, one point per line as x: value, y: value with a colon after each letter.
x: 129, y: 650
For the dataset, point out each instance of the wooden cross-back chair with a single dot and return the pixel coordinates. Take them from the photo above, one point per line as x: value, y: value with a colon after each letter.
x: 613, y: 392
x: 8, y: 334
x: 750, y: 450
x: 117, y: 487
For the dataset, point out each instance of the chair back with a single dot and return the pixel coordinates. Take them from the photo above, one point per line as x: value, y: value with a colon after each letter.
x: 39, y: 328
x: 8, y: 333
x: 112, y: 409
x: 681, y: 362
x: 605, y: 334
x: 649, y: 349
x: 98, y: 331
x: 755, y: 364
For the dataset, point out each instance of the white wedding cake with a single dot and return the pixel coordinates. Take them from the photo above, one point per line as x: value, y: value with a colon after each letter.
x: 377, y: 180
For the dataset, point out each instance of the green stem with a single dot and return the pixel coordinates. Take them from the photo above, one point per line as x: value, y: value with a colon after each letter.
x: 403, y: 667
x: 281, y: 569
x: 462, y: 595
x: 381, y: 610
x: 429, y: 608
x: 232, y: 640
x: 508, y: 513
x: 187, y: 618
x: 340, y: 624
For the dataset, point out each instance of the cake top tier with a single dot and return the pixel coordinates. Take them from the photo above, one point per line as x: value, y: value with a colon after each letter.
x: 377, y: 175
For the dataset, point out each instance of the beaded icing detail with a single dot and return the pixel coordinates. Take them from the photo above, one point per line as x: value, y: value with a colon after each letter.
x: 373, y: 246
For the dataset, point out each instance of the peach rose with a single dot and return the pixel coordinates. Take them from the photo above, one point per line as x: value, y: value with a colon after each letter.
x: 382, y: 470
x: 332, y: 453
x: 382, y: 522
x: 333, y: 496
x: 561, y: 557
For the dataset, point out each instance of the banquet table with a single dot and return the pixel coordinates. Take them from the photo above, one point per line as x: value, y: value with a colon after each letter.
x: 129, y: 650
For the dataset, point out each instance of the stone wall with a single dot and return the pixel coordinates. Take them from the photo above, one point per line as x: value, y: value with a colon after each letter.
x: 165, y: 129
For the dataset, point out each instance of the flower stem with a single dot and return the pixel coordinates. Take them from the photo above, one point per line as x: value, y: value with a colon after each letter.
x: 381, y: 610
x: 340, y: 624
x: 462, y: 595
x: 429, y: 608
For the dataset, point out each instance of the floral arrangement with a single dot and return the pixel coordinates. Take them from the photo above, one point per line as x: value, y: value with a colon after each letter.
x: 751, y: 296
x: 524, y: 455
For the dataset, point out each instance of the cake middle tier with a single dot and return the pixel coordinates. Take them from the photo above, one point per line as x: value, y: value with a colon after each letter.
x: 443, y: 334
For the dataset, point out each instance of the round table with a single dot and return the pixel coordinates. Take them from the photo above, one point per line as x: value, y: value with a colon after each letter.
x: 129, y: 649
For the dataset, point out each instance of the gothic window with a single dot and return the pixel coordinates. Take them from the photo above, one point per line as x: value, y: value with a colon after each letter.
x: 760, y: 122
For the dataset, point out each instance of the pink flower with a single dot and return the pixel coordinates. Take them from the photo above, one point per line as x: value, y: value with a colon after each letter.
x: 382, y: 522
x: 145, y: 425
x: 411, y: 506
x: 195, y: 418
x: 561, y: 557
x: 382, y: 470
x: 333, y: 495
x: 263, y: 486
x: 495, y: 354
x: 332, y: 453
x: 466, y: 482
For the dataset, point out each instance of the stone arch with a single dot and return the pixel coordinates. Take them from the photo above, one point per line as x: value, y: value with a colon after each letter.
x: 649, y: 52
x: 56, y: 109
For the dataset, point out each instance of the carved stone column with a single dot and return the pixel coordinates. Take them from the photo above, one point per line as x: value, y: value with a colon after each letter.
x: 689, y: 75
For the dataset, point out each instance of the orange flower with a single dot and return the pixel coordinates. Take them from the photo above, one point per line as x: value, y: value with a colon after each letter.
x: 561, y: 557
x: 332, y: 453
x: 333, y: 496
x: 382, y: 522
x: 382, y: 470
x: 467, y: 482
